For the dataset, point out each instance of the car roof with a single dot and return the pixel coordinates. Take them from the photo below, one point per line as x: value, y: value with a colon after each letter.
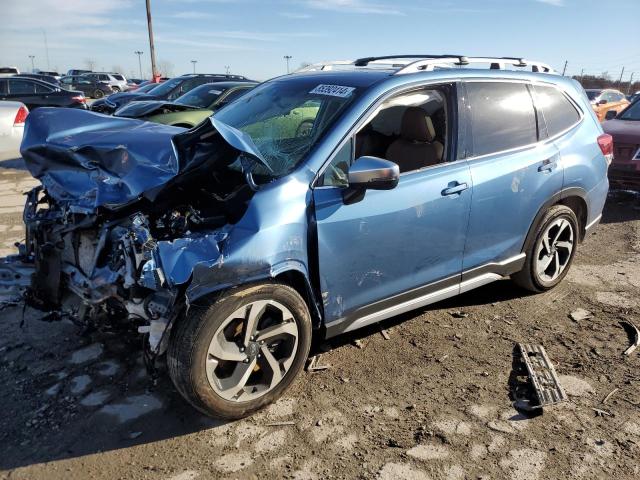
x: 227, y: 85
x: 350, y: 78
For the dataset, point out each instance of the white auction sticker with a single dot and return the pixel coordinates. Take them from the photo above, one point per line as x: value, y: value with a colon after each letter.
x: 333, y: 90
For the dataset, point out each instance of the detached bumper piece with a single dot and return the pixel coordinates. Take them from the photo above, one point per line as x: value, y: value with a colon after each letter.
x: 536, y: 382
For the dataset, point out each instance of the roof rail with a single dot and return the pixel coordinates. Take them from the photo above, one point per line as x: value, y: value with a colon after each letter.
x: 427, y: 62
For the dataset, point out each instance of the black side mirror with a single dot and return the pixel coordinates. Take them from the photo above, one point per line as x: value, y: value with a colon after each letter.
x: 602, y: 102
x: 610, y: 115
x: 370, y: 173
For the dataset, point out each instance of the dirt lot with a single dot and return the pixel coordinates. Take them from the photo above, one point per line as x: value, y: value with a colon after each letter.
x: 432, y: 401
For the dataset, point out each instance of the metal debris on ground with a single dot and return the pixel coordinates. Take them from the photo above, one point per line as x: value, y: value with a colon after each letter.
x: 458, y: 314
x: 609, y: 395
x: 636, y: 340
x: 602, y: 413
x: 313, y: 366
x: 580, y: 314
x: 280, y: 424
x: 385, y: 334
x: 538, y: 385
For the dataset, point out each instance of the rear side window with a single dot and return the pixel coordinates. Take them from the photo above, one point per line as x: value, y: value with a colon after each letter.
x: 559, y: 113
x: 3, y: 87
x: 42, y: 88
x: 502, y: 116
x: 21, y: 87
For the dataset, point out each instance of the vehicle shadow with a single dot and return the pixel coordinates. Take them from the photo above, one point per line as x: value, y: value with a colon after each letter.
x: 622, y: 206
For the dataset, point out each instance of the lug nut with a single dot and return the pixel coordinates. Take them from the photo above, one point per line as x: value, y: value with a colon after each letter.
x: 242, y: 349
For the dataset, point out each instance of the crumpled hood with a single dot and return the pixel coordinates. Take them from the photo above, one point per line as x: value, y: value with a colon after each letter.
x: 139, y: 109
x: 88, y: 160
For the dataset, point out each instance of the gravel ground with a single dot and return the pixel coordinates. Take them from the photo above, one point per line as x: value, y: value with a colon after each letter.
x: 432, y: 401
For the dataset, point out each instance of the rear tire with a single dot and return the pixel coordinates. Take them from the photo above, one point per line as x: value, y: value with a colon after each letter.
x: 550, y: 255
x: 115, y: 89
x: 98, y: 93
x: 241, y: 352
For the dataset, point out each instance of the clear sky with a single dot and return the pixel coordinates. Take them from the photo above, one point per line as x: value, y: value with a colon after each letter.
x: 252, y: 36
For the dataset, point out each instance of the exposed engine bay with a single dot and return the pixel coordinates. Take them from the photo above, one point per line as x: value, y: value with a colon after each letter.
x: 100, y: 258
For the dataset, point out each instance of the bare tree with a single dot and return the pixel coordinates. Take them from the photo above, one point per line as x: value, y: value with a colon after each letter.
x: 165, y: 68
x: 89, y: 64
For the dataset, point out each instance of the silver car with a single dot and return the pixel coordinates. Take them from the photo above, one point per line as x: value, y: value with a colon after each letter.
x: 12, y: 118
x: 117, y: 81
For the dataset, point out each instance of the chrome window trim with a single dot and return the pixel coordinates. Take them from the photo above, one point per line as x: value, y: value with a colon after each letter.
x: 366, y: 118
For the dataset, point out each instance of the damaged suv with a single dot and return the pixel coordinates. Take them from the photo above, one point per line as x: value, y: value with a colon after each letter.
x: 228, y: 244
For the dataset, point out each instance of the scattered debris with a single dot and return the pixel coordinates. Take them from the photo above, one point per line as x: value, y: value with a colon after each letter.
x: 636, y: 341
x: 358, y: 343
x: 602, y: 413
x: 280, y: 424
x: 580, y: 314
x: 458, y: 314
x: 508, y: 322
x: 344, y: 379
x: 443, y: 358
x: 609, y: 395
x: 312, y: 364
x: 385, y: 334
x: 319, y: 423
x: 537, y: 383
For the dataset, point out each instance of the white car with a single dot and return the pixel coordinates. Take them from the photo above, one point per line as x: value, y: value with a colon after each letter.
x: 9, y: 71
x: 12, y: 118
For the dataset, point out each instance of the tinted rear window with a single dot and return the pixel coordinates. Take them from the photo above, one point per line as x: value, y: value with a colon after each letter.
x: 8, y: 70
x: 559, y: 113
x: 118, y: 77
x: 592, y: 94
x: 502, y: 116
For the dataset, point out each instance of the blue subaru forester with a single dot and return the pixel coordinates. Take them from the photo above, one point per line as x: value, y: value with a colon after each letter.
x: 322, y: 201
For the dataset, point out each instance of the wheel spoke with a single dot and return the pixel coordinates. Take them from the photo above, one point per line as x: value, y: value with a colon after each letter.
x: 231, y: 387
x: 287, y: 328
x: 545, y: 242
x: 567, y: 245
x: 544, y: 263
x: 224, y: 350
x: 556, y: 257
x: 563, y: 225
x: 274, y: 365
x: 254, y: 312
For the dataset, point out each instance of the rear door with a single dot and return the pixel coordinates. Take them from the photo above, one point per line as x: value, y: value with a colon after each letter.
x: 515, y: 170
x: 23, y: 90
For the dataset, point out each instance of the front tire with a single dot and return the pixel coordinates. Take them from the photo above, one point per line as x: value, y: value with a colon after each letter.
x: 550, y: 255
x: 115, y: 89
x: 240, y: 353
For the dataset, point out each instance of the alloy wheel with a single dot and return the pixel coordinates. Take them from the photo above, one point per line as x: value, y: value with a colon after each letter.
x: 554, y: 250
x: 252, y: 351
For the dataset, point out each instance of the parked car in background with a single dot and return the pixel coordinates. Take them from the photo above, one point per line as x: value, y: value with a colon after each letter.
x: 38, y: 76
x: 625, y: 129
x: 101, y: 105
x: 117, y: 81
x: 133, y: 84
x: 87, y: 85
x: 12, y: 119
x: 77, y: 72
x: 35, y: 93
x: 168, y: 91
x: 191, y: 108
x: 54, y: 74
x: 9, y: 71
x: 606, y: 100
x: 230, y: 244
x: 633, y: 97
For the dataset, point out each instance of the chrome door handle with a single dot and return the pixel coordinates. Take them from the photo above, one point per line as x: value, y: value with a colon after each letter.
x: 455, y: 188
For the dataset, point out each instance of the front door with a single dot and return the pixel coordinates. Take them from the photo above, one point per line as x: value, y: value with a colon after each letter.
x: 390, y: 247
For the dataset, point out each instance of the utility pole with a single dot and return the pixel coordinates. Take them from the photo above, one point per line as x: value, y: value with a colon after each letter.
x: 194, y: 65
x: 621, y: 74
x: 46, y: 48
x: 287, y: 58
x: 581, y: 75
x: 154, y: 71
x: 566, y: 62
x: 227, y: 69
x: 630, y: 83
x: 33, y: 67
x: 139, y: 54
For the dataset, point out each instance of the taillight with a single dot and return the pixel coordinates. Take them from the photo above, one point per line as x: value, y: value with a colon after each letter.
x: 21, y: 117
x: 79, y: 99
x: 605, y: 142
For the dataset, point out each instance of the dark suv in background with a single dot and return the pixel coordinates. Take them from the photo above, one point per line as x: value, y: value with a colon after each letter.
x: 35, y: 93
x: 87, y: 85
x: 169, y: 90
